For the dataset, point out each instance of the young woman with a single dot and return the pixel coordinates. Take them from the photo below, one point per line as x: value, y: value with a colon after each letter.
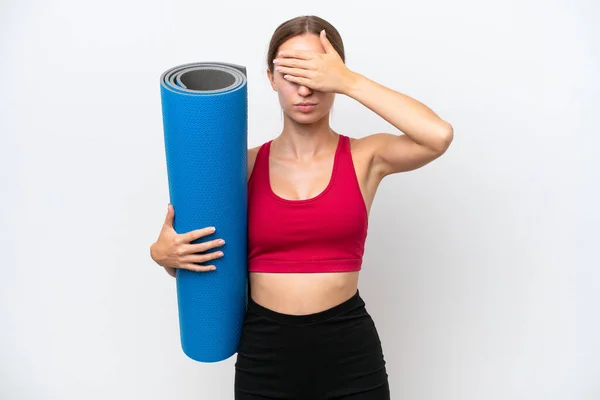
x: 307, y: 334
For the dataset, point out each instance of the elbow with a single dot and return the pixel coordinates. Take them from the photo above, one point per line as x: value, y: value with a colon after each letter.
x: 444, y: 138
x: 448, y: 135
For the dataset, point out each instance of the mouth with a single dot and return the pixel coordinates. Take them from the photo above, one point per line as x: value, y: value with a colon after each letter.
x: 305, y: 106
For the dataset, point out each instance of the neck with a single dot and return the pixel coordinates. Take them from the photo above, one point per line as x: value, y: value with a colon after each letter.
x: 305, y: 141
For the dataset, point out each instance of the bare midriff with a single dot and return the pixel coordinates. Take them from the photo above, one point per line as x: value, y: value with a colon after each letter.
x: 302, y: 293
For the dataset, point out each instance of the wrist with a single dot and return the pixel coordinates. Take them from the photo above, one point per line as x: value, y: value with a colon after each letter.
x: 352, y: 83
x: 171, y: 271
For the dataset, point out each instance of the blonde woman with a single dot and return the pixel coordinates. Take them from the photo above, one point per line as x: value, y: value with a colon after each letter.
x: 307, y: 334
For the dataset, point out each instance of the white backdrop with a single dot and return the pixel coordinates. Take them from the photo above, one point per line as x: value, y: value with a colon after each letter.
x: 481, y: 269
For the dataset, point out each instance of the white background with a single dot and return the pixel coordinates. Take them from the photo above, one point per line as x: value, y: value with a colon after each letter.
x: 481, y: 269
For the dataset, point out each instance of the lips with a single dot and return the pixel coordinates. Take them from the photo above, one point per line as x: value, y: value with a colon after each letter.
x: 305, y: 107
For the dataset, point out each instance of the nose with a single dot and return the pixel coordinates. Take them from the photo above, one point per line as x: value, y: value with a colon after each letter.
x: 304, y: 90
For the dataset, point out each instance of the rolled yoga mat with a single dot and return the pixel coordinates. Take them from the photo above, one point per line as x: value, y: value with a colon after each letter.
x: 204, y: 109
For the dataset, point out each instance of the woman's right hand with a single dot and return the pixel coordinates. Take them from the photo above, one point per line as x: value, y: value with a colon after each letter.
x: 172, y: 250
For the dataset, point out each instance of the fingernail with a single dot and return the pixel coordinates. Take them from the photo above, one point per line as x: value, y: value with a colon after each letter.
x: 221, y: 241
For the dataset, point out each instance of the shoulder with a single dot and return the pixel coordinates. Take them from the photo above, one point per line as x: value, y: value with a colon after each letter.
x: 252, y: 153
x: 389, y: 153
x: 363, y: 151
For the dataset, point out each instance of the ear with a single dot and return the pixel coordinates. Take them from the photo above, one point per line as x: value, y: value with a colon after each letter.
x: 271, y: 80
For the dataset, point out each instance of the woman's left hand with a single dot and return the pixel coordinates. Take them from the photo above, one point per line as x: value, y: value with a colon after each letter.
x: 325, y: 72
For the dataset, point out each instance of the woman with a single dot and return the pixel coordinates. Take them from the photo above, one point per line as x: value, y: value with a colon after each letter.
x: 307, y: 334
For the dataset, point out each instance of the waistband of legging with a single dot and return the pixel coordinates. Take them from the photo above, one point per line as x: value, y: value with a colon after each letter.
x: 353, y: 302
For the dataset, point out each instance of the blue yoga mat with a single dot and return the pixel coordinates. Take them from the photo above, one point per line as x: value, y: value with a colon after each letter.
x: 205, y: 118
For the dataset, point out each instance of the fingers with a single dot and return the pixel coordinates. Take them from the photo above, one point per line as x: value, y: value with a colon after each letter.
x: 202, y: 247
x: 302, y: 54
x: 294, y: 63
x: 191, y: 262
x: 326, y: 43
x: 201, y: 258
x: 299, y: 81
x: 303, y: 73
x: 198, y: 268
x: 170, y: 215
x: 191, y: 249
x: 189, y: 237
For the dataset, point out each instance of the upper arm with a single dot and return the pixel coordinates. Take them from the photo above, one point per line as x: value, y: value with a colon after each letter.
x: 399, y: 153
x: 251, y: 159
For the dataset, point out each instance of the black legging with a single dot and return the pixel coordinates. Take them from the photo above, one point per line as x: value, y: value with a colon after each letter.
x: 380, y: 393
x: 333, y: 354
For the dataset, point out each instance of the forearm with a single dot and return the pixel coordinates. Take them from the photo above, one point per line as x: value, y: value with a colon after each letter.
x: 408, y: 115
x: 171, y: 271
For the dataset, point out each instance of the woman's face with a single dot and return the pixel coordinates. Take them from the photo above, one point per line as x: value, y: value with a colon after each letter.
x: 290, y: 94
